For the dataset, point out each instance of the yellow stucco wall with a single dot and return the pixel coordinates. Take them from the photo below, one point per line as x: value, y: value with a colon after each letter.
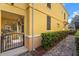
x: 0, y: 22
x: 40, y: 17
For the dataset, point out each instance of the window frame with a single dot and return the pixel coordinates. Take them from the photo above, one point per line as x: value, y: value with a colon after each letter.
x: 49, y: 5
x: 12, y: 4
x: 48, y: 22
x: 64, y: 16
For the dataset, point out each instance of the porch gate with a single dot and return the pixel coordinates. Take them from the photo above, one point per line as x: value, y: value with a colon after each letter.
x: 11, y: 41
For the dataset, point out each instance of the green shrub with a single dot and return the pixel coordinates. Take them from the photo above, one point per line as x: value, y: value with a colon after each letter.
x: 51, y: 38
x: 72, y: 32
x: 77, y: 42
x: 77, y: 50
x: 77, y: 37
x: 77, y: 33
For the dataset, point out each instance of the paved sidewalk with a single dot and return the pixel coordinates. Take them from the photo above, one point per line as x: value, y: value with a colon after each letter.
x: 26, y: 54
x: 14, y: 52
x: 65, y: 48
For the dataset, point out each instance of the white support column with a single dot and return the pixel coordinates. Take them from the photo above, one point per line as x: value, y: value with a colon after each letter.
x: 18, y: 30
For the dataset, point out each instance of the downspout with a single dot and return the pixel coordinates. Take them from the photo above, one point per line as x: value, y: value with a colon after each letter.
x: 33, y: 49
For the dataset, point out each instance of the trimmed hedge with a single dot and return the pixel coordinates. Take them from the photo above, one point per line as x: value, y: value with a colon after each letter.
x: 77, y: 42
x: 72, y: 32
x: 51, y: 38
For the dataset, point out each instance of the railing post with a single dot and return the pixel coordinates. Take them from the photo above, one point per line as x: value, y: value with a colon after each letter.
x: 0, y: 43
x: 2, y: 46
x: 23, y: 37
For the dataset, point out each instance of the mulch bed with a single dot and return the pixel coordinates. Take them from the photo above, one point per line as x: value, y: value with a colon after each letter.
x: 41, y: 51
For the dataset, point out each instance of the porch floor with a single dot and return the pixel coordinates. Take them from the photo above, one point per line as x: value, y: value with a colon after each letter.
x: 14, y: 52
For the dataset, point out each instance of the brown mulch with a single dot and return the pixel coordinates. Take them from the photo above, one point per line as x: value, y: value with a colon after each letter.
x: 38, y: 52
x: 41, y: 51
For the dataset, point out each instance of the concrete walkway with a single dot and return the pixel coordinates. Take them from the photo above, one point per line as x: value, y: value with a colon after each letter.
x: 14, y: 52
x: 65, y: 48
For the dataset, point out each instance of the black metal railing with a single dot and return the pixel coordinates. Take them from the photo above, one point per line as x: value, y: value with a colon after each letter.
x: 0, y: 44
x: 11, y: 40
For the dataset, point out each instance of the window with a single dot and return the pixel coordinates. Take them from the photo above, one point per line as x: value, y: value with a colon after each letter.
x: 7, y: 27
x: 49, y: 5
x: 58, y: 25
x: 12, y: 3
x: 64, y: 16
x: 14, y: 27
x: 48, y: 23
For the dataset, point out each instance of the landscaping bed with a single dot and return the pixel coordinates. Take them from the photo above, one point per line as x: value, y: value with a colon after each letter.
x: 40, y: 50
x: 49, y: 40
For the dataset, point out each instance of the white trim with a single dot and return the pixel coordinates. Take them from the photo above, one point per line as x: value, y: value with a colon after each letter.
x: 30, y: 36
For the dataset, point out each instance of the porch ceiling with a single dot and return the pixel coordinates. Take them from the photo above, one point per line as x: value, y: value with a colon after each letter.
x: 8, y: 15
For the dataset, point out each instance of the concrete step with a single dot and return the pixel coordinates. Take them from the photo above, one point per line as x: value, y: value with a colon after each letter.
x: 14, y: 52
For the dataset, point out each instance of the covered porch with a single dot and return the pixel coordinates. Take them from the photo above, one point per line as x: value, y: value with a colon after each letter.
x: 12, y: 31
